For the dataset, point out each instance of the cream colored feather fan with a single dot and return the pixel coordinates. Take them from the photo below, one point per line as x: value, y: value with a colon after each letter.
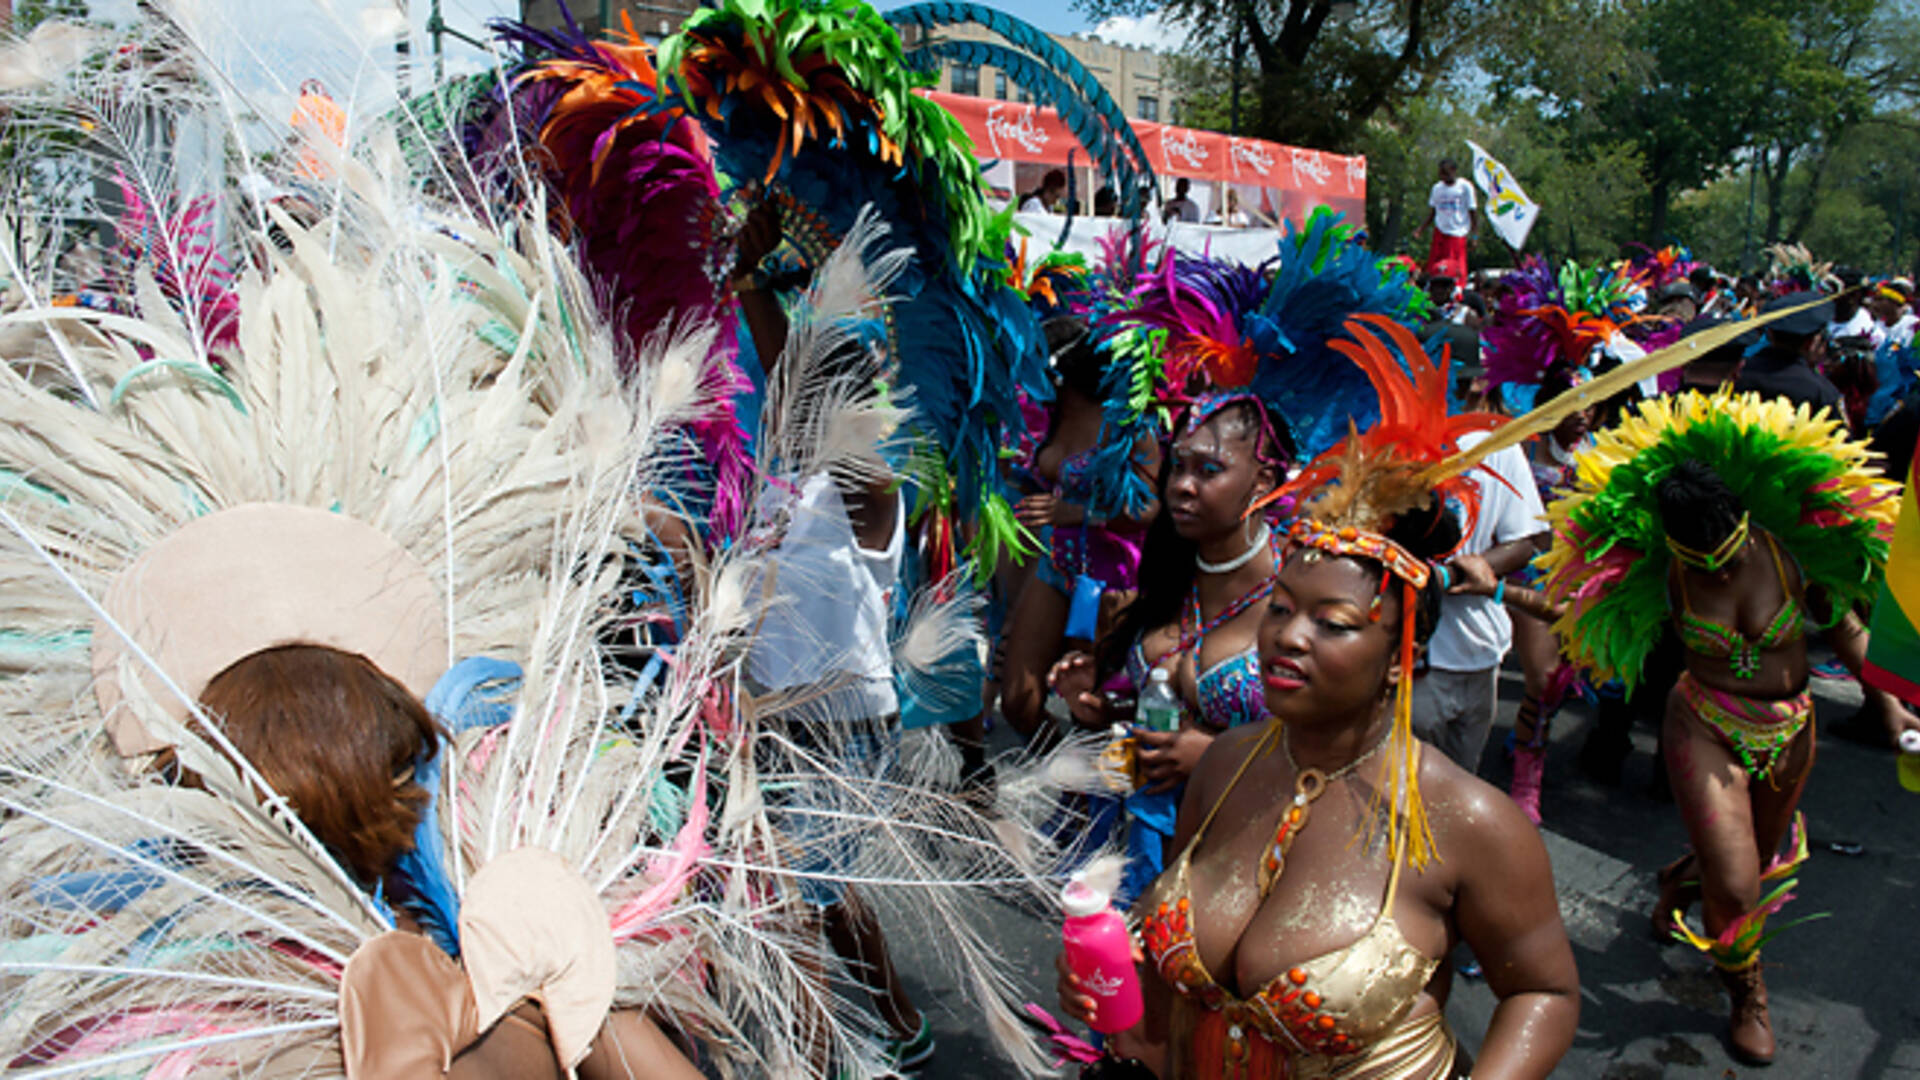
x: 439, y: 374
x: 434, y: 375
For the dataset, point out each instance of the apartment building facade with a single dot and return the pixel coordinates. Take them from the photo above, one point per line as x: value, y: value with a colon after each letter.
x: 1135, y: 78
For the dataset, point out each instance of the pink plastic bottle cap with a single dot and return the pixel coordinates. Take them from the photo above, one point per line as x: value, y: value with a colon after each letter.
x: 1080, y: 899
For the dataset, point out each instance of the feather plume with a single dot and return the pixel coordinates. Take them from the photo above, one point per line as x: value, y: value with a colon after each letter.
x: 817, y: 108
x: 444, y: 372
x: 1796, y: 473
x: 1267, y: 330
x: 1372, y: 477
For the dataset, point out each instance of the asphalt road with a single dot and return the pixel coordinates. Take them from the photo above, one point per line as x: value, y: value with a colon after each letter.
x: 1845, y: 989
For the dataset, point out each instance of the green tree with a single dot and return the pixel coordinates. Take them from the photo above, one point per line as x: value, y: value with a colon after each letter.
x: 1316, y: 72
x: 1781, y: 77
x: 1587, y: 190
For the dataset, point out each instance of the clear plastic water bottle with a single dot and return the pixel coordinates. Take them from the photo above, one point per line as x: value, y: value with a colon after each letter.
x: 1100, y: 954
x: 1159, y: 707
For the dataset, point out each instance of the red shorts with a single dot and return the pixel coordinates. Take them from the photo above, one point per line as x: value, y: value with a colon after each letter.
x: 1448, y: 256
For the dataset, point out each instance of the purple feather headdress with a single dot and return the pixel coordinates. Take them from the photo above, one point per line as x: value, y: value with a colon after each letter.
x: 641, y: 200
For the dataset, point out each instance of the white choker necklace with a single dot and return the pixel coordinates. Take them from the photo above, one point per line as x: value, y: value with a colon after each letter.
x: 1240, y: 560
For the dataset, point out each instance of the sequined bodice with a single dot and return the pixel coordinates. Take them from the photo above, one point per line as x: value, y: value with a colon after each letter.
x: 1337, y: 1004
x: 1229, y: 692
x: 1076, y: 477
x: 1742, y: 653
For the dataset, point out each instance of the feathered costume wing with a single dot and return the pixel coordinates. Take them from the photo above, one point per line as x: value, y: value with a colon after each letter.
x: 637, y: 194
x: 447, y: 381
x: 457, y: 395
x: 817, y: 105
x: 1796, y: 473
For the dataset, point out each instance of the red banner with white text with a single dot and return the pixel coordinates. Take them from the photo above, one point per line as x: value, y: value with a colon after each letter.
x: 1237, y: 181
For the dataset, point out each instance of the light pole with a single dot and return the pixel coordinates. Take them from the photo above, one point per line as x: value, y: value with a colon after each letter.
x: 437, y: 27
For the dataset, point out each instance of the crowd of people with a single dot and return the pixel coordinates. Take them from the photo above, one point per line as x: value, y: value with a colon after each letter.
x: 527, y: 594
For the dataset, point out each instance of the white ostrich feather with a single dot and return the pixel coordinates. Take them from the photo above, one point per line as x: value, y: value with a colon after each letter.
x: 440, y: 372
x: 44, y: 55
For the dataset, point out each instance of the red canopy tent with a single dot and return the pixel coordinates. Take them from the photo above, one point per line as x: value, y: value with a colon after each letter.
x: 1269, y: 181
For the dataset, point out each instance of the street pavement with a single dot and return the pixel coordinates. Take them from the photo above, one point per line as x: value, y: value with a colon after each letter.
x: 1845, y: 991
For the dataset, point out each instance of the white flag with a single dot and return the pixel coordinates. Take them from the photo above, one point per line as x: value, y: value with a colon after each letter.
x: 1508, y: 208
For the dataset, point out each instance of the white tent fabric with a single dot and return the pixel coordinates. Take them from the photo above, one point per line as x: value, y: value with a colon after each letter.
x: 1249, y: 247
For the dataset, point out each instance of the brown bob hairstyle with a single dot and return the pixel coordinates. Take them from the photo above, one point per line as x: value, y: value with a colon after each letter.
x: 337, y: 738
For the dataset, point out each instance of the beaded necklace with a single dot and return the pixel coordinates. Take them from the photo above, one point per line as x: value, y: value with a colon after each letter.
x: 1308, y: 785
x: 1194, y: 628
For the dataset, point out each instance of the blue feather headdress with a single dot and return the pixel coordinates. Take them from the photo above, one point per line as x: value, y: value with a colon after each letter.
x: 816, y: 104
x: 1230, y: 333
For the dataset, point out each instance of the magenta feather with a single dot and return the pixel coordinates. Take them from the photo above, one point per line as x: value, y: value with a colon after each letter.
x: 183, y: 253
x: 641, y: 200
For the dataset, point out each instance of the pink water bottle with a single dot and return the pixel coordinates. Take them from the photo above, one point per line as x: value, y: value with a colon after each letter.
x: 1100, y: 954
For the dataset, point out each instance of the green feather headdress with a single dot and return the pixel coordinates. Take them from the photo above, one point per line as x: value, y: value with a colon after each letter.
x: 1795, y: 472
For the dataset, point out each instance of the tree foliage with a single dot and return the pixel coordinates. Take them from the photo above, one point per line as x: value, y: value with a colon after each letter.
x: 1314, y: 72
x: 1629, y: 121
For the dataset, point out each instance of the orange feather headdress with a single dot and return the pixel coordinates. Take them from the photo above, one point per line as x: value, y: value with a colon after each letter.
x: 1352, y: 495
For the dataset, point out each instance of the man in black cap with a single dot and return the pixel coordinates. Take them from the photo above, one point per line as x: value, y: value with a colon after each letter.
x: 1787, y: 366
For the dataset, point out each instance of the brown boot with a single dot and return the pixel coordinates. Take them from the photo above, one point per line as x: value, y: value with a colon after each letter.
x: 1752, y: 1029
x: 1679, y: 891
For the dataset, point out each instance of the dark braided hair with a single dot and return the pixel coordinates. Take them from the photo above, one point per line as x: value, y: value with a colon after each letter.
x: 1075, y: 357
x: 1697, y: 508
x: 1427, y: 534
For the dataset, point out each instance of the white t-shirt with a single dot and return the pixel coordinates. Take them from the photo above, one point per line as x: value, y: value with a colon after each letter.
x: 827, y: 617
x: 1032, y: 205
x: 1452, y: 206
x: 1474, y: 632
x: 1184, y: 209
x: 1861, y: 325
x: 1901, y: 332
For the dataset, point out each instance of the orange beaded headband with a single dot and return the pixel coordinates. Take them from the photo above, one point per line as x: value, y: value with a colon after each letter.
x: 1348, y: 540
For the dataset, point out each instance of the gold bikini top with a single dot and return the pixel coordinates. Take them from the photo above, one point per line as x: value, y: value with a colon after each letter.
x: 1336, y: 1004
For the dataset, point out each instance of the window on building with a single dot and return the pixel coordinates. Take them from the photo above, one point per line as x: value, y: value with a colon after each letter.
x: 966, y: 79
x: 1149, y: 108
x: 1026, y: 96
x: 1000, y: 85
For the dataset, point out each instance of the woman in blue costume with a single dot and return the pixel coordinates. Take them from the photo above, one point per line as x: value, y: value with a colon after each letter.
x: 1196, y: 617
x: 1092, y: 565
